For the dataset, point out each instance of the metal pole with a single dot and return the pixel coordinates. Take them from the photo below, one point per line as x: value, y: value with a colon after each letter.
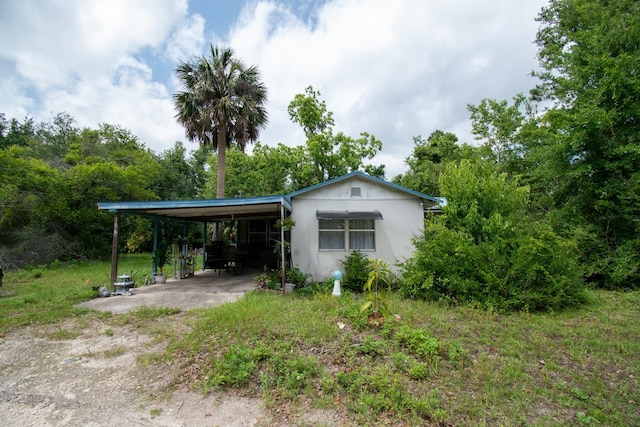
x: 114, y: 252
x: 204, y: 245
x: 185, y: 243
x: 183, y: 251
x: 154, y: 265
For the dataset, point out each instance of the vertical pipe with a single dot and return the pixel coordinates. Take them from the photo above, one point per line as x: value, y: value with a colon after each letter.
x: 114, y: 252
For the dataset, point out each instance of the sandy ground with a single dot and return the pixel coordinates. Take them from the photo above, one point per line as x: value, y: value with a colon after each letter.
x: 95, y: 380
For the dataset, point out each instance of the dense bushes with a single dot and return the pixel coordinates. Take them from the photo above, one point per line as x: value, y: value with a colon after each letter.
x: 485, y: 249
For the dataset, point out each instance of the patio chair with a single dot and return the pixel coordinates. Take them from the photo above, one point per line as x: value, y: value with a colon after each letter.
x: 215, y: 259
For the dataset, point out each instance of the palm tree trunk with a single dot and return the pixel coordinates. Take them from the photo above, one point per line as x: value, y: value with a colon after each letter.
x: 222, y: 155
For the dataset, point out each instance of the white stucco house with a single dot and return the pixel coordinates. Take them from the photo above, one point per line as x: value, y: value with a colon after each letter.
x: 352, y: 212
x: 355, y: 212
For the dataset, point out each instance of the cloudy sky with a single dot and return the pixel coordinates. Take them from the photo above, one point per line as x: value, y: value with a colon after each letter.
x: 395, y: 69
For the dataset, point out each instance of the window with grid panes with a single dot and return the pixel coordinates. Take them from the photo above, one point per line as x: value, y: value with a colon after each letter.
x: 357, y: 234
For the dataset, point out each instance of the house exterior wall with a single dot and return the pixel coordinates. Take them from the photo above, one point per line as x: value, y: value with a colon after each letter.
x: 403, y: 219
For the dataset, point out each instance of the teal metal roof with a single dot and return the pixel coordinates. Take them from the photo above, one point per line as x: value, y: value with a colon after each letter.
x: 370, y: 178
x: 204, y: 210
x: 241, y: 208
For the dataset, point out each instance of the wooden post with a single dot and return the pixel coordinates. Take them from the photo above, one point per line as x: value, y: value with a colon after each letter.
x: 114, y: 252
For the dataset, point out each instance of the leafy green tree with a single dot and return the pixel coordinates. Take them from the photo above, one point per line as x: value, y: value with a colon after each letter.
x: 107, y: 164
x: 429, y: 158
x: 502, y: 127
x: 222, y: 103
x: 267, y: 170
x: 198, y: 164
x: 51, y: 178
x: 327, y: 155
x: 177, y: 178
x: 311, y: 113
x: 281, y: 169
x: 587, y: 151
x: 485, y: 249
x: 32, y: 209
x: 14, y: 133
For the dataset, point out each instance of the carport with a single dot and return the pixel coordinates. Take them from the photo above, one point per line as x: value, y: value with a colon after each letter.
x: 204, y: 211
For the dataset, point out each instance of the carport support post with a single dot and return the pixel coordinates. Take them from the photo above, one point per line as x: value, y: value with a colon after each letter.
x: 282, y: 244
x: 114, y: 252
x: 154, y: 265
x: 185, y: 241
x: 204, y: 245
x: 182, y: 252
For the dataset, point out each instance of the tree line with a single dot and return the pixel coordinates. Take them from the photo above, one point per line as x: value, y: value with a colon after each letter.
x: 53, y: 174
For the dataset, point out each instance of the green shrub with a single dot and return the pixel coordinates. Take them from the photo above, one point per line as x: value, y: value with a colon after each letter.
x: 356, y: 267
x: 295, y: 276
x: 615, y: 268
x: 484, y: 249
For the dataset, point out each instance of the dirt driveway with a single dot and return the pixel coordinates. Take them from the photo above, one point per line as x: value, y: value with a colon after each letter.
x: 91, y: 375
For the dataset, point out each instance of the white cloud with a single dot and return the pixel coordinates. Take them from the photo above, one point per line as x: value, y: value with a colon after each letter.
x: 393, y: 69
x: 83, y: 58
x: 187, y: 40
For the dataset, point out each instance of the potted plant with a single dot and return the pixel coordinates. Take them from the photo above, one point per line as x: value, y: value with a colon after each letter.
x: 161, y: 258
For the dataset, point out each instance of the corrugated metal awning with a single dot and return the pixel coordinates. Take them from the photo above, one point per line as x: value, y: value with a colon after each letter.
x: 348, y: 215
x: 204, y: 210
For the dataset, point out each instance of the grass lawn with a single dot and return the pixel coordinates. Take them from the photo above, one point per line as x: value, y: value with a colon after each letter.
x: 428, y: 364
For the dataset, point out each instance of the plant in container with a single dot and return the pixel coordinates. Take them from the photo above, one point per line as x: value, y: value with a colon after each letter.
x: 161, y: 258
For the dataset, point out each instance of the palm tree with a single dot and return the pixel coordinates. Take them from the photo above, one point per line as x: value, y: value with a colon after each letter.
x: 222, y: 103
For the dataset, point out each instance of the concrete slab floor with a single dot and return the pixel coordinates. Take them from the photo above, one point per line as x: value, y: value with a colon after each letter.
x: 203, y: 289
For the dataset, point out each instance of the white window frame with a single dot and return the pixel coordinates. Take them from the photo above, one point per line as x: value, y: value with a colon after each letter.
x: 346, y: 231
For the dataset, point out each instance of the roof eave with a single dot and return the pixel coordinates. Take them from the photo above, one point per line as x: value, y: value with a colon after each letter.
x: 370, y: 178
